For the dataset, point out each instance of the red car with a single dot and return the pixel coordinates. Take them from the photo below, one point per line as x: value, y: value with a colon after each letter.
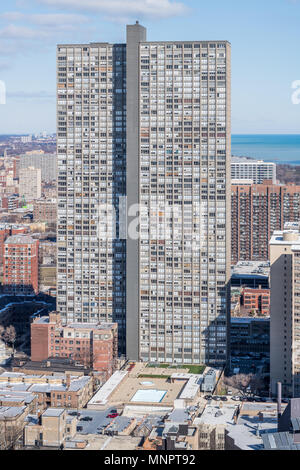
x: 112, y: 415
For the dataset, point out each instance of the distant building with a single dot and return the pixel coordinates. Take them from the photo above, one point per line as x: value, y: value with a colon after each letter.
x: 45, y: 210
x: 12, y: 422
x: 65, y: 390
x: 249, y: 169
x: 212, y: 423
x: 30, y: 183
x: 249, y: 335
x: 285, y: 311
x: 10, y: 201
x: 288, y: 435
x: 251, y: 274
x: 46, y: 162
x: 49, y: 430
x: 20, y: 265
x: 255, y: 301
x: 256, y: 212
x: 173, y: 436
x: 253, y: 423
x: 94, y: 345
x: 47, y: 267
x: 25, y: 139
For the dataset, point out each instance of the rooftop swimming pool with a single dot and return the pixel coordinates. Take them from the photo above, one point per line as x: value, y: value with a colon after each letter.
x: 148, y: 396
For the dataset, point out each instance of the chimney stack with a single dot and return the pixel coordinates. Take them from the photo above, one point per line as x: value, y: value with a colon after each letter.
x: 68, y: 380
x: 279, y: 397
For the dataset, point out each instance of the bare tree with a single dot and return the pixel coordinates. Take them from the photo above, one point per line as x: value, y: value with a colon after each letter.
x: 10, y: 336
x: 246, y: 384
x: 10, y: 435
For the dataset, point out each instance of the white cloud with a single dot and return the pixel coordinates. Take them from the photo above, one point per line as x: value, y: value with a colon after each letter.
x: 58, y: 19
x: 39, y: 26
x: 13, y: 31
x: 124, y: 8
x: 55, y: 19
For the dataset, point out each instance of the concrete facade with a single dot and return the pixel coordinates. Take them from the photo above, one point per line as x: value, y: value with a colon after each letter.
x: 178, y: 307
x: 285, y: 311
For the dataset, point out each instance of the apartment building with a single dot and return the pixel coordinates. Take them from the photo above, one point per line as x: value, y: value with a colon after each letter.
x: 46, y: 162
x: 93, y: 345
x: 256, y: 212
x: 30, y: 183
x: 48, y: 431
x: 255, y: 301
x: 45, y: 210
x: 91, y: 149
x: 60, y: 390
x: 172, y: 119
x: 20, y: 265
x: 257, y: 171
x: 178, y: 134
x: 285, y: 311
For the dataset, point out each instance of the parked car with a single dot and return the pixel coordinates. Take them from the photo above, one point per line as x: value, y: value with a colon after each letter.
x: 224, y: 398
x: 112, y: 415
x: 86, y: 418
x: 208, y: 397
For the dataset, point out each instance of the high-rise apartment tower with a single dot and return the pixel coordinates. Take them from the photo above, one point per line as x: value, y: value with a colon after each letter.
x: 285, y: 310
x: 149, y: 120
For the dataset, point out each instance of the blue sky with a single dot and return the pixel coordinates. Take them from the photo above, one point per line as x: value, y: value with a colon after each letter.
x: 264, y: 34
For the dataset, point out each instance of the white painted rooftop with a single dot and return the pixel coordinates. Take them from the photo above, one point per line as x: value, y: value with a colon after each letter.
x: 191, y: 388
x: 101, y: 397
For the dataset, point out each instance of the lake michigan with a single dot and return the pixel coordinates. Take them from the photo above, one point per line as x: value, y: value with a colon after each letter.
x: 276, y: 148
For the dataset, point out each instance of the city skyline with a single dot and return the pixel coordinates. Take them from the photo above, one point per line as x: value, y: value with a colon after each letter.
x: 263, y: 67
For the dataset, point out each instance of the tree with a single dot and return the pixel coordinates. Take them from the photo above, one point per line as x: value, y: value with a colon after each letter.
x: 246, y: 384
x: 10, y: 336
x: 10, y: 434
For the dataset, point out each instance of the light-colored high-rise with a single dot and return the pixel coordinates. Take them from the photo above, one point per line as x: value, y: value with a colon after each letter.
x: 257, y: 171
x: 91, y: 146
x: 150, y: 120
x: 178, y: 170
x: 30, y: 183
x: 285, y: 310
x: 38, y: 159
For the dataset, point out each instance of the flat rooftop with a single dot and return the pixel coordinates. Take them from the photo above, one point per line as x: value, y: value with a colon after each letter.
x: 109, y: 443
x: 247, y: 433
x: 251, y: 268
x: 286, y: 237
x: 19, y: 240
x: 216, y: 414
x: 53, y: 412
x: 122, y: 389
x: 250, y: 161
x: 11, y: 411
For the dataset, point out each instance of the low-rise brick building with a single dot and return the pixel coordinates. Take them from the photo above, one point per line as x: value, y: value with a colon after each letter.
x: 67, y: 391
x: 93, y: 345
x: 255, y: 301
